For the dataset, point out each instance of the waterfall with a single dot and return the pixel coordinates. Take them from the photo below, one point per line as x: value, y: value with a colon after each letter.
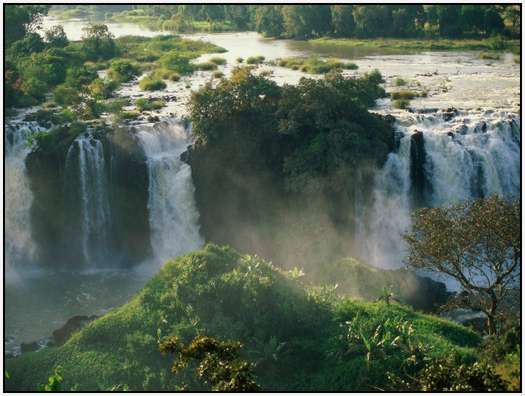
x: 173, y: 215
x: 464, y: 158
x: 87, y: 181
x: 18, y: 198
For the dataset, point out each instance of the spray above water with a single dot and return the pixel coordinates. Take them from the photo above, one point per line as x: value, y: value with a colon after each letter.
x: 173, y: 216
x: 463, y: 158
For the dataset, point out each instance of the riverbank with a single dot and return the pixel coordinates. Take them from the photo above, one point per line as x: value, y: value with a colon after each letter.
x: 414, y: 45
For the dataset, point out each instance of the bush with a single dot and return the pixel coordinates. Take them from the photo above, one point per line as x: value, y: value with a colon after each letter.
x: 399, y: 82
x: 65, y: 95
x: 177, y: 62
x: 218, y: 60
x: 206, y: 66
x: 218, y: 74
x: 144, y: 104
x: 102, y: 89
x: 401, y: 103
x: 123, y: 70
x: 255, y: 60
x: 240, y: 60
x: 403, y: 94
x: 489, y: 56
x: 149, y: 84
x: 315, y: 65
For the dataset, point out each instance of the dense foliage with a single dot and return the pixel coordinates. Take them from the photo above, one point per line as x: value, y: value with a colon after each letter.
x: 280, y: 162
x: 35, y: 66
x: 306, y: 21
x: 298, y: 338
x: 478, y: 244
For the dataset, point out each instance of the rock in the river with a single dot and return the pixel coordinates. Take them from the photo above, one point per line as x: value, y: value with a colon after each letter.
x: 29, y: 347
x: 73, y: 325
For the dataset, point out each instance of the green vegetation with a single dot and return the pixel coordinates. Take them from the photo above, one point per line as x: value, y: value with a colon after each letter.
x: 144, y: 104
x: 122, y: 70
x: 255, y: 60
x: 489, y: 56
x: 399, y: 82
x: 219, y: 363
x: 218, y: 74
x: 218, y: 60
x: 206, y: 66
x: 34, y: 66
x: 403, y: 94
x: 409, y: 45
x: 218, y: 293
x: 149, y: 83
x: 315, y: 65
x: 459, y: 241
x: 401, y: 103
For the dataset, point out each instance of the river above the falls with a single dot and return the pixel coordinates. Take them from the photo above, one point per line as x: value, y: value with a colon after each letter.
x: 39, y: 302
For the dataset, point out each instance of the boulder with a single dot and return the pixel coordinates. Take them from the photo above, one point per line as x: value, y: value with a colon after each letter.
x: 74, y: 324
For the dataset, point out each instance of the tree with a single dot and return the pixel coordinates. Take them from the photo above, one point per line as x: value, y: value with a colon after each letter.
x: 477, y: 243
x: 20, y: 19
x: 305, y: 21
x: 342, y: 20
x: 98, y: 43
x: 56, y: 37
x: 269, y: 21
x: 219, y: 363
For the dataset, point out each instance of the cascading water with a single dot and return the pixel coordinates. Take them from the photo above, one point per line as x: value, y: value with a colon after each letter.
x: 173, y: 215
x: 464, y: 158
x: 85, y: 162
x: 18, y: 198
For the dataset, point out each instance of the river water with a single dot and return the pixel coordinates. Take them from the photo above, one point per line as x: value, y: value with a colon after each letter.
x: 484, y: 92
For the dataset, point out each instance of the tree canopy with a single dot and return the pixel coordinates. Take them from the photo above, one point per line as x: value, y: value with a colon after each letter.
x: 478, y: 244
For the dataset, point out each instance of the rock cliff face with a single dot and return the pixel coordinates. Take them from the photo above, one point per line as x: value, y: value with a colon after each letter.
x: 56, y: 212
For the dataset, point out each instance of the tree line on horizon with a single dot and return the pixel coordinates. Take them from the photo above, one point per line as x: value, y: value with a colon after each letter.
x: 305, y: 21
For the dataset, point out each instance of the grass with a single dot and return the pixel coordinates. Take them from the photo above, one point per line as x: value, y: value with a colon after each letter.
x: 414, y: 45
x: 144, y: 104
x: 218, y: 60
x: 255, y: 60
x: 399, y: 82
x: 218, y: 292
x: 166, y: 57
x: 315, y: 65
x: 403, y: 94
x: 151, y: 84
x: 489, y: 56
x: 401, y: 103
x: 206, y: 66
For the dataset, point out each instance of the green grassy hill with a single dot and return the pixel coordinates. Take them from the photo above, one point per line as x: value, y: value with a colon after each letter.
x: 299, y: 338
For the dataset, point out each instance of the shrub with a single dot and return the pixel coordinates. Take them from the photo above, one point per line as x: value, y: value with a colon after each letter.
x: 255, y: 60
x: 206, y: 66
x: 144, y: 104
x: 218, y: 60
x: 102, y: 89
x: 240, y: 60
x: 65, y: 95
x: 401, y: 103
x: 218, y: 74
x: 399, y: 82
x: 403, y: 94
x: 177, y: 62
x: 123, y: 70
x: 489, y: 56
x: 151, y: 84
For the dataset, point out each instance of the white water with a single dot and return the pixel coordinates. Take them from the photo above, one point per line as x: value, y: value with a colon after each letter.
x: 463, y: 167
x: 18, y: 197
x: 85, y: 158
x: 173, y: 216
